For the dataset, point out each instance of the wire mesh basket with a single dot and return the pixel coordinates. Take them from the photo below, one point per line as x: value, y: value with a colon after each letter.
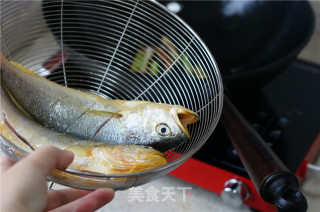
x: 131, y: 50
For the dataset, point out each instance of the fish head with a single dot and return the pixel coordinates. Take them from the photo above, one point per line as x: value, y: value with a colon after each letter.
x: 161, y: 126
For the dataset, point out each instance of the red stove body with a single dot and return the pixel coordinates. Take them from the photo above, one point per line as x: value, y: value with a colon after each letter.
x: 285, y: 113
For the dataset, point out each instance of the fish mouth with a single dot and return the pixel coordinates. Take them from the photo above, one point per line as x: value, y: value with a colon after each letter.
x: 183, y: 117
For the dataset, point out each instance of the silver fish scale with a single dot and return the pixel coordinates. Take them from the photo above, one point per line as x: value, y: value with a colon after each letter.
x: 35, y: 103
x: 90, y: 125
x: 61, y: 117
x: 114, y: 130
x: 47, y: 106
x: 18, y: 121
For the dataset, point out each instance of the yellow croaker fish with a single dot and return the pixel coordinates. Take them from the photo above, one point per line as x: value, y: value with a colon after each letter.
x: 90, y: 156
x: 91, y: 117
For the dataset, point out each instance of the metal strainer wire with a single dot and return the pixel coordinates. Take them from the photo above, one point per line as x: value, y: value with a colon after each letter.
x: 104, y: 47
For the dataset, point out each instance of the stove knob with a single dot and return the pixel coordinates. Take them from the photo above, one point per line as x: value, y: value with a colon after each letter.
x: 235, y: 193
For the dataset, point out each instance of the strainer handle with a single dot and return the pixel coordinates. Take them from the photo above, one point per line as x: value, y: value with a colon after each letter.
x: 272, y: 179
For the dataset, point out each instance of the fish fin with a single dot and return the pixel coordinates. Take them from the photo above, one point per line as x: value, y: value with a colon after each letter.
x: 104, y: 113
x: 21, y: 67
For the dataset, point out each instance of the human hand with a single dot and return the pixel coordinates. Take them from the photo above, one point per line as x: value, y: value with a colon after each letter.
x: 24, y: 185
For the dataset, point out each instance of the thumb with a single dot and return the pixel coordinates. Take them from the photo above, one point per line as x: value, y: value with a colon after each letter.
x: 45, y: 159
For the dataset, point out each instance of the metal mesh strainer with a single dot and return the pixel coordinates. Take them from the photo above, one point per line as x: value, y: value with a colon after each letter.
x: 132, y: 50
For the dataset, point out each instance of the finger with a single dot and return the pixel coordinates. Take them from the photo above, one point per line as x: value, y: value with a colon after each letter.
x: 6, y: 163
x: 62, y: 197
x: 45, y: 159
x: 91, y: 202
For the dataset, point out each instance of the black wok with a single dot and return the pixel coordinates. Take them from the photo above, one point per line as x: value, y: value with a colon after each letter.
x: 252, y: 41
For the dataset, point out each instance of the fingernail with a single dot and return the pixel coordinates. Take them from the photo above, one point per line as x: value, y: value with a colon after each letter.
x: 69, y: 153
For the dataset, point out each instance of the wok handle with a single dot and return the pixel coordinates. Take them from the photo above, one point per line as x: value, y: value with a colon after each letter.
x: 272, y: 179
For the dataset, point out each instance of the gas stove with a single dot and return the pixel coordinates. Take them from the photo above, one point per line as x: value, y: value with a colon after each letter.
x: 285, y: 113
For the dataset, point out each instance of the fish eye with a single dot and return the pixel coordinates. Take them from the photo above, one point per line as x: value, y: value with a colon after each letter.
x: 163, y: 129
